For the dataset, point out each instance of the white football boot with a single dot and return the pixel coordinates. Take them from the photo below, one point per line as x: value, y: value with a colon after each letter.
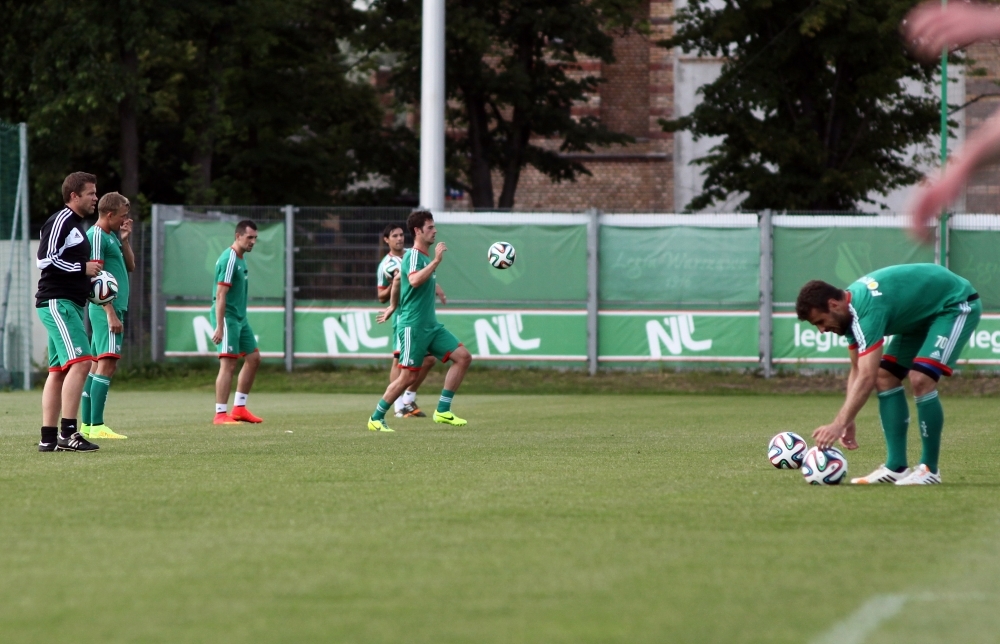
x: 882, y: 474
x: 921, y: 475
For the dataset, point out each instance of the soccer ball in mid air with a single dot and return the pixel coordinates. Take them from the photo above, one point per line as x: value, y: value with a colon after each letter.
x: 103, y: 288
x: 786, y: 451
x: 824, y: 466
x: 501, y: 255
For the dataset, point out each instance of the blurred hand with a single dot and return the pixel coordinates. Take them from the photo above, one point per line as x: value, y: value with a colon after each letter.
x: 827, y: 435
x: 217, y: 336
x: 930, y: 199
x: 126, y: 230
x: 930, y: 28
x: 439, y: 251
x: 113, y: 322
x: 385, y: 315
x: 93, y: 268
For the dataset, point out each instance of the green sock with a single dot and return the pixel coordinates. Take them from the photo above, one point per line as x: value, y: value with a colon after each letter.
x: 85, y: 400
x: 895, y: 416
x: 98, y: 397
x: 380, y: 409
x: 444, y: 403
x: 931, y: 417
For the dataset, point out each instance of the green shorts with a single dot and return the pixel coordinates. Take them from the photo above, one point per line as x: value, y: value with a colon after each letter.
x: 238, y: 339
x: 416, y: 343
x: 104, y: 343
x: 939, y: 346
x: 68, y: 342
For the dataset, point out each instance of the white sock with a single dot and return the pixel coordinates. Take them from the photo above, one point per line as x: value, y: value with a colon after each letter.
x: 241, y: 400
x: 400, y: 403
x: 220, y: 408
x: 409, y: 397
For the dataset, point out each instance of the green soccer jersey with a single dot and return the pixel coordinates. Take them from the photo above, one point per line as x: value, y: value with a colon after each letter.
x: 416, y: 305
x: 231, y: 270
x: 105, y: 247
x: 901, y: 300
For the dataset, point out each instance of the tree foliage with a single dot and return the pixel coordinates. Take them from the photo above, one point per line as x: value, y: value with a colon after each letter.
x: 241, y: 102
x: 512, y: 73
x: 812, y: 102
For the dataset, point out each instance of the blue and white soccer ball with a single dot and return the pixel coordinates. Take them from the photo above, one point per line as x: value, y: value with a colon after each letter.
x: 786, y: 451
x: 824, y: 466
x: 501, y: 255
x: 103, y: 288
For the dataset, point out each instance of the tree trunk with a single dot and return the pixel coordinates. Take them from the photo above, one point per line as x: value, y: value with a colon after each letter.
x: 479, y: 149
x: 129, y: 123
x: 519, y: 135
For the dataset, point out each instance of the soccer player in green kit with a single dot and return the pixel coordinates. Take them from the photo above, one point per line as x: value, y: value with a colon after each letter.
x: 233, y: 335
x: 418, y: 332
x: 930, y: 313
x: 406, y: 404
x: 107, y: 321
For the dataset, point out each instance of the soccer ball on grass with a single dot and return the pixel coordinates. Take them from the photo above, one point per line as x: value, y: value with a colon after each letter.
x: 103, y: 288
x: 786, y: 451
x: 824, y: 466
x: 501, y: 255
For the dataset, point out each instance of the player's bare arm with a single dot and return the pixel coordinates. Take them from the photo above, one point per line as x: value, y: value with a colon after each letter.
x: 113, y: 322
x: 419, y: 277
x: 934, y: 196
x: 931, y: 28
x: 861, y: 382
x: 220, y: 311
x: 440, y: 294
x: 124, y: 234
x: 393, y: 301
x: 93, y: 268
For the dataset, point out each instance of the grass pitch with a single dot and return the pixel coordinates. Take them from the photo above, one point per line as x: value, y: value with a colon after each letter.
x: 547, y: 519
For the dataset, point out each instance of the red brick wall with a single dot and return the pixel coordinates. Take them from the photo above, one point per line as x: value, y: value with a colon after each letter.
x: 983, y: 192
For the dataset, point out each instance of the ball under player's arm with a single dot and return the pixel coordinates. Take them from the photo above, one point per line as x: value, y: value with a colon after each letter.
x: 124, y: 234
x: 417, y: 278
x: 393, y: 300
x: 220, y: 311
x: 860, y: 382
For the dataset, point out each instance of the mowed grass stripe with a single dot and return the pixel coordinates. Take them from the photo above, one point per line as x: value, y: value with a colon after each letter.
x: 548, y: 519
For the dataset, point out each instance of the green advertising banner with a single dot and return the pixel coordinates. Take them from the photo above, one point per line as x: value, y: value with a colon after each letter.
x: 191, y: 249
x: 189, y: 331
x: 490, y: 334
x: 838, y: 255
x: 678, y: 336
x: 693, y: 266
x: 973, y: 255
x: 551, y: 263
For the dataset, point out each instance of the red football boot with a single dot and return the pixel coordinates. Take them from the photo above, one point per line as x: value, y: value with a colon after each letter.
x: 242, y: 413
x: 222, y: 418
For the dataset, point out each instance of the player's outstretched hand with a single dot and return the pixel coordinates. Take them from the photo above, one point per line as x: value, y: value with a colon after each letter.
x: 92, y: 269
x: 440, y: 250
x: 217, y: 336
x: 385, y: 315
x: 827, y: 435
x: 931, y: 28
x: 930, y: 199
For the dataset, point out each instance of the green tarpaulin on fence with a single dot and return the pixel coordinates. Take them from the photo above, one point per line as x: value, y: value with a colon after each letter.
x: 191, y: 248
x: 717, y: 267
x: 551, y: 264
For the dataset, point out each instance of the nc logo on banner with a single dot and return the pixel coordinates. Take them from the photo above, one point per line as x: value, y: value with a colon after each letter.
x: 507, y: 334
x: 351, y: 329
x: 675, y: 339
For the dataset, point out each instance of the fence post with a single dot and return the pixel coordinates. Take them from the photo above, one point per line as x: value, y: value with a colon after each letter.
x: 289, y: 287
x: 22, y: 130
x: 766, y: 292
x: 593, y: 239
x: 155, y: 325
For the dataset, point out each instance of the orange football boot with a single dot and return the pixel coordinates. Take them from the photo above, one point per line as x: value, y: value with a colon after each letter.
x: 242, y: 413
x: 222, y: 418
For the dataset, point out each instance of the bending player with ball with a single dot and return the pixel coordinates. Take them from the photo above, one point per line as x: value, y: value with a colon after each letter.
x: 930, y: 313
x: 107, y: 320
x: 417, y: 330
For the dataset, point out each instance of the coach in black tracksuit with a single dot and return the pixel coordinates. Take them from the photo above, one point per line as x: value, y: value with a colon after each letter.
x: 63, y: 255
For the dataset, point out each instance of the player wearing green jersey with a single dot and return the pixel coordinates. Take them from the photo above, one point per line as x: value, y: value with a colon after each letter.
x: 107, y: 321
x: 930, y: 313
x: 406, y: 404
x: 418, y: 332
x: 233, y: 335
